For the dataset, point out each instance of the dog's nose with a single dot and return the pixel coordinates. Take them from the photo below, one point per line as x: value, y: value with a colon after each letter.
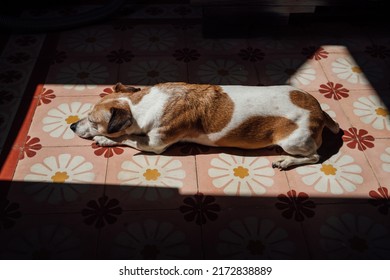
x: 73, y: 126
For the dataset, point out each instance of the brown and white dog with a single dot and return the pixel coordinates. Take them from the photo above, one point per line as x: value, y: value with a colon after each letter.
x: 249, y: 117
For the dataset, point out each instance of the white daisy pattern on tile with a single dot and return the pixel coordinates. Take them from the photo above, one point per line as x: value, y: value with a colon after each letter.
x: 354, y: 237
x: 82, y: 75
x: 151, y: 177
x: 90, y: 40
x: 222, y: 71
x: 254, y: 238
x: 245, y: 176
x: 58, y: 120
x: 347, y: 69
x: 373, y: 111
x: 385, y: 157
x: 64, y: 168
x: 152, y: 71
x: 290, y: 70
x: 150, y: 240
x: 337, y: 175
x: 153, y: 39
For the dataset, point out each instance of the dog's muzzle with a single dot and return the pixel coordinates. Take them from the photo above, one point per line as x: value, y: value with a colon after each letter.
x: 73, y: 126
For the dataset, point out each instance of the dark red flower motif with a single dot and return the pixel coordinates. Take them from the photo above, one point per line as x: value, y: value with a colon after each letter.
x: 335, y: 91
x: 102, y: 211
x: 358, y: 138
x: 31, y: 146
x: 192, y: 148
x: 200, y: 208
x: 106, y: 91
x: 9, y: 212
x: 298, y: 206
x: 186, y: 55
x: 26, y: 41
x: 316, y: 53
x: 46, y: 96
x: 59, y: 57
x: 10, y: 76
x: 120, y: 56
x: 381, y: 199
x: 378, y: 51
x: 18, y: 57
x: 107, y: 152
x: 251, y: 54
x: 5, y: 97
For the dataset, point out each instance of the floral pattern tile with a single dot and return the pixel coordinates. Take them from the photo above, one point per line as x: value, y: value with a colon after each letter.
x: 148, y: 181
x: 57, y: 180
x: 162, y: 234
x: 253, y: 234
x: 51, y: 121
x: 348, y: 232
x: 379, y: 158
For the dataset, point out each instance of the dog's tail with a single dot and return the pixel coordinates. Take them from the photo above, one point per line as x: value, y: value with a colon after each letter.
x: 330, y: 123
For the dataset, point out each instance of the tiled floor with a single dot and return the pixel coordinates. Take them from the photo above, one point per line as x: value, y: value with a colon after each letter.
x: 63, y: 197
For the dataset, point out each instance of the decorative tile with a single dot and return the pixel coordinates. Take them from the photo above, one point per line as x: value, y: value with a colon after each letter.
x: 51, y: 122
x: 295, y: 70
x: 83, y: 75
x: 348, y: 231
x: 345, y: 175
x: 8, y: 112
x: 24, y: 43
x: 379, y: 158
x: 149, y: 181
x: 253, y: 234
x: 366, y: 110
x: 58, y: 180
x: 356, y: 71
x: 240, y: 180
x: 49, y: 236
x: 162, y: 234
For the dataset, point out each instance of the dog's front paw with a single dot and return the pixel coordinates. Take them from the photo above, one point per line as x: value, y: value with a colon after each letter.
x: 104, y: 141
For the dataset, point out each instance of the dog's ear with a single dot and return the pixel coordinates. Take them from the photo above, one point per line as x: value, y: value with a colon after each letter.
x: 120, y: 119
x: 119, y: 87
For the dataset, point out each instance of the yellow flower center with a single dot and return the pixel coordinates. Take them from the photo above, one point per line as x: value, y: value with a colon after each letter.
x: 241, y: 172
x: 382, y: 112
x: 356, y: 69
x: 72, y: 119
x: 60, y: 177
x: 151, y: 174
x: 328, y: 169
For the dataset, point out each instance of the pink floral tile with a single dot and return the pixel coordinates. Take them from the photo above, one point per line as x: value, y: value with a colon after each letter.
x: 57, y: 180
x: 230, y: 70
x: 51, y: 121
x: 51, y: 91
x: 355, y: 71
x: 366, y: 110
x: 345, y: 175
x: 162, y: 234
x: 48, y: 236
x: 82, y: 75
x: 296, y: 70
x: 239, y: 179
x: 148, y: 40
x: 97, y: 40
x: 145, y: 70
x: 379, y: 157
x: 348, y: 231
x: 149, y: 181
x: 253, y: 234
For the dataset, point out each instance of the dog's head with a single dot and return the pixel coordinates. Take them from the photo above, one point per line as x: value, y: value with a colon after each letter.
x: 111, y: 116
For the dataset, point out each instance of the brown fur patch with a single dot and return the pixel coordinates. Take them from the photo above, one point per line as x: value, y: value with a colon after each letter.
x: 316, y: 119
x: 119, y: 87
x: 194, y: 109
x: 258, y: 132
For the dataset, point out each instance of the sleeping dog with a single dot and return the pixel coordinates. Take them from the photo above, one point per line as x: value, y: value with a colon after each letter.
x: 153, y: 118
